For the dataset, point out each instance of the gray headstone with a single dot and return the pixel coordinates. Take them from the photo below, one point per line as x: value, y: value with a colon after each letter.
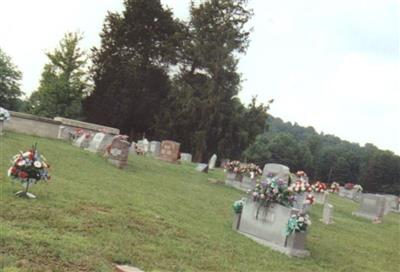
x: 154, y: 149
x: 186, y: 157
x: 274, y: 170
x: 202, y: 167
x: 99, y: 142
x: 327, y: 214
x: 371, y: 207
x: 212, y: 162
x: 267, y: 225
x: 1, y: 127
x: 391, y: 203
x: 320, y: 198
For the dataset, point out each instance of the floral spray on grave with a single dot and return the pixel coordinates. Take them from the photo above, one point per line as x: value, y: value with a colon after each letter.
x: 29, y: 168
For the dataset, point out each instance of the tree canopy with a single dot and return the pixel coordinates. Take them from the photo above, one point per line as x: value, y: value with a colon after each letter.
x: 10, y: 77
x: 64, y: 82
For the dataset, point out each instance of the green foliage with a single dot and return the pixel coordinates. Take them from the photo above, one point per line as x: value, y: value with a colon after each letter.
x: 9, y: 83
x: 161, y: 217
x: 64, y: 83
x: 326, y: 157
x: 130, y: 69
x: 202, y: 111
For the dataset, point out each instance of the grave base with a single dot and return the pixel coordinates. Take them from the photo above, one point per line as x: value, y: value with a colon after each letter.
x: 285, y: 250
x: 365, y: 215
x: 236, y: 184
x: 25, y: 194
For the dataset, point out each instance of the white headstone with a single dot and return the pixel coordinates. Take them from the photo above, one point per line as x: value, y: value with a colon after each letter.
x: 186, y: 157
x: 202, y: 167
x: 80, y: 141
x: 95, y: 144
x: 155, y: 147
x: 212, y: 162
x: 327, y: 214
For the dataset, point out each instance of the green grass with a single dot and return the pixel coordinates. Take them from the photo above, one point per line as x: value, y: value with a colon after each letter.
x: 160, y: 217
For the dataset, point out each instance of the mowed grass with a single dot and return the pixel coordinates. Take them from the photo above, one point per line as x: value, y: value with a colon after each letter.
x: 160, y: 217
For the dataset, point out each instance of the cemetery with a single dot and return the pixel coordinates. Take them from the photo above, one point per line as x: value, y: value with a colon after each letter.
x: 105, y: 206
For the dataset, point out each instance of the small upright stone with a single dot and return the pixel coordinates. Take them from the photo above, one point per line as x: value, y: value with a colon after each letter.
x: 327, y: 214
x: 212, y: 162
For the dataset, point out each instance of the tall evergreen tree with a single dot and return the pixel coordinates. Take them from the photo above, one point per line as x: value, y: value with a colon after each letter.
x: 64, y: 82
x: 130, y: 69
x: 9, y: 83
x: 202, y: 101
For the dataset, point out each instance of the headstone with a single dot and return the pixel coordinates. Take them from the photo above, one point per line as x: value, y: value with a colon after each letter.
x: 132, y: 148
x: 266, y: 225
x: 320, y: 198
x: 155, y: 148
x: 186, y: 157
x: 248, y: 183
x: 212, y: 162
x: 118, y: 152
x: 327, y: 214
x: 169, y: 151
x: 1, y: 127
x: 143, y: 146
x: 274, y: 170
x: 81, y: 142
x: 202, y: 167
x: 99, y: 142
x: 391, y: 203
x: 371, y: 207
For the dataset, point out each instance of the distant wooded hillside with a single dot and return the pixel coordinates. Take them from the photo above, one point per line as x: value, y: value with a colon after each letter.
x: 326, y: 157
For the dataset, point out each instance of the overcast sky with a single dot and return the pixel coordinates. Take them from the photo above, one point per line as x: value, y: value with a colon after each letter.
x: 333, y: 65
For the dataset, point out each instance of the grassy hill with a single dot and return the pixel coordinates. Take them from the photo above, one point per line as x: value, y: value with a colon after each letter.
x: 160, y: 217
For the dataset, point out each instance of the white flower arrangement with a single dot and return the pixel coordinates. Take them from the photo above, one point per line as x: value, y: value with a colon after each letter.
x: 4, y: 114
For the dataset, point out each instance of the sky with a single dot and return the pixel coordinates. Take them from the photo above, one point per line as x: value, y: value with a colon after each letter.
x: 333, y: 65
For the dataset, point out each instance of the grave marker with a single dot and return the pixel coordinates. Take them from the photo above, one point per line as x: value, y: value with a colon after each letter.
x: 118, y: 152
x: 169, y: 151
x: 212, y: 162
x: 327, y: 214
x: 371, y: 207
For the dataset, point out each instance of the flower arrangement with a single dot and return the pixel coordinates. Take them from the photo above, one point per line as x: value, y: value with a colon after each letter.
x: 233, y: 167
x: 251, y: 170
x: 319, y: 187
x: 358, y: 188
x: 349, y: 186
x: 273, y: 191
x: 334, y: 188
x: 299, y: 186
x: 238, y: 206
x: 29, y: 167
x: 297, y: 223
x: 4, y: 114
x: 310, y: 199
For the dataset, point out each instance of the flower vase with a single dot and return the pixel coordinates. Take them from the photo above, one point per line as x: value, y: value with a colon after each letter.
x: 25, y: 192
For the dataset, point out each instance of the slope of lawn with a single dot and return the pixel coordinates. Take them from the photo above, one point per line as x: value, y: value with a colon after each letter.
x: 160, y: 217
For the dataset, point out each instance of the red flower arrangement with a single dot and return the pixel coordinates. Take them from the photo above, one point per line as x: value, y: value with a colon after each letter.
x: 28, y: 168
x: 319, y: 187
